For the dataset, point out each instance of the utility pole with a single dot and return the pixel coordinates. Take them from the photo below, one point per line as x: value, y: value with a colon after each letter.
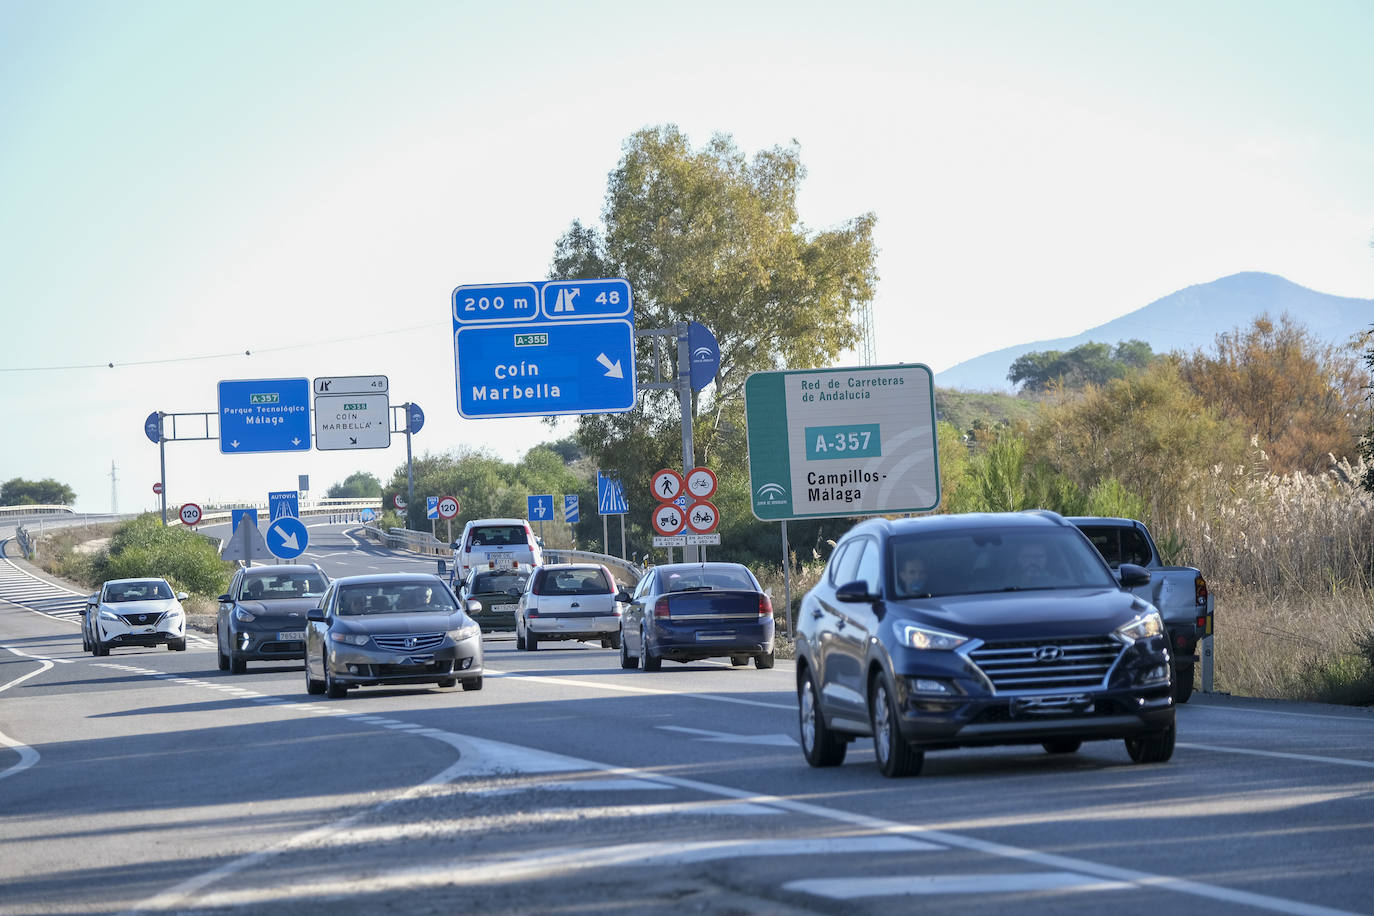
x: 114, y: 490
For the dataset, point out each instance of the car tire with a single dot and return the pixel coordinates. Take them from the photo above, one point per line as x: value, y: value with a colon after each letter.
x: 176, y: 645
x: 1156, y: 748
x: 519, y: 638
x: 1061, y: 745
x: 85, y: 638
x: 648, y: 661
x: 99, y: 648
x: 332, y: 688
x: 531, y: 642
x: 472, y: 683
x: 1183, y: 682
x: 312, y: 686
x: 221, y: 658
x: 896, y: 758
x: 627, y: 661
x: 447, y: 682
x: 739, y: 661
x: 820, y: 746
x: 614, y: 641
x: 236, y: 664
x: 763, y: 660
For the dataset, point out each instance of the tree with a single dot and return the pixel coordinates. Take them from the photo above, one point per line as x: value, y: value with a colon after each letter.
x: 1301, y: 398
x: 1086, y: 364
x: 46, y: 492
x: 706, y: 235
x: 358, y: 485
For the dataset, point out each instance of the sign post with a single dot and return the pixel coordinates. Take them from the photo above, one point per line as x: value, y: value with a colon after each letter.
x: 610, y: 500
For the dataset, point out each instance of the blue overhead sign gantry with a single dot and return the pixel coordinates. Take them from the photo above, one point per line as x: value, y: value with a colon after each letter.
x: 264, y: 415
x: 542, y: 349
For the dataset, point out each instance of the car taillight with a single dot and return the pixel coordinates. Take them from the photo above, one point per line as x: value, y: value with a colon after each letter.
x: 1200, y: 591
x: 661, y: 607
x: 532, y: 612
x: 765, y: 606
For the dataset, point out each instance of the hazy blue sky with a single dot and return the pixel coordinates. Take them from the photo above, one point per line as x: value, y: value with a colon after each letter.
x: 309, y: 181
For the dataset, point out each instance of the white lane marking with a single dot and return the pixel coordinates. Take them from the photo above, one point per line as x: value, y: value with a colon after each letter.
x: 27, y: 755
x: 726, y: 738
x: 909, y: 885
x: 626, y: 688
x: 37, y: 658
x: 582, y: 785
x: 1309, y: 758
x: 1367, y: 720
x: 481, y: 756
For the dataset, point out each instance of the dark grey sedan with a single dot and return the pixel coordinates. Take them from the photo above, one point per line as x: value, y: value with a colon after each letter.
x: 400, y: 628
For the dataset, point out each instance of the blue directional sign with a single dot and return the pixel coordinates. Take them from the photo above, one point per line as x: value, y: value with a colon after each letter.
x: 570, y: 511
x: 431, y: 507
x: 540, y: 508
x: 542, y: 349
x: 264, y: 415
x: 366, y: 515
x: 610, y: 496
x: 542, y: 369
x: 241, y: 515
x: 283, y: 503
x: 287, y: 537
x: 152, y: 427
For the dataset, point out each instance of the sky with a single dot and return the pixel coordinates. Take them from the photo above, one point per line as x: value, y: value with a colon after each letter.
x: 205, y: 192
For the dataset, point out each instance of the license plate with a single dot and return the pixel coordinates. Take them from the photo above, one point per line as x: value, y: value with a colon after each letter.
x: 706, y: 637
x: 496, y: 555
x: 291, y: 636
x: 504, y: 608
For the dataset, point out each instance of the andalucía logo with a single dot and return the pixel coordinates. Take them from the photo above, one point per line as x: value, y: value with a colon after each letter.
x: 771, y: 494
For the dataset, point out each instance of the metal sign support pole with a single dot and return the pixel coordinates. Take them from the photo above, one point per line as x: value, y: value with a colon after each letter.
x: 605, y: 536
x: 162, y: 457
x: 410, y: 468
x: 623, y: 555
x: 684, y: 392
x: 786, y: 582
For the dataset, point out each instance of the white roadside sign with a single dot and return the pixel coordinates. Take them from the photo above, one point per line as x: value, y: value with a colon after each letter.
x: 352, y: 421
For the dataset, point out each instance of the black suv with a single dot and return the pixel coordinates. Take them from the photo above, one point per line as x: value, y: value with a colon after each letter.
x: 959, y: 630
x: 262, y: 616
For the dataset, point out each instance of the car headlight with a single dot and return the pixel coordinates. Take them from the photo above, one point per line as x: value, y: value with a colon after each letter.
x: 466, y: 632
x: 1143, y: 627
x: 918, y: 637
x: 171, y: 613
x: 108, y: 615
x: 241, y: 614
x: 351, y: 639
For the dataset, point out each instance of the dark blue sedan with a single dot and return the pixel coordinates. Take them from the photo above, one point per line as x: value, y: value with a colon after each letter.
x: 685, y: 612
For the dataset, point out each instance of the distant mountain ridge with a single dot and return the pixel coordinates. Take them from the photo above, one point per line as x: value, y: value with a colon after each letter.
x: 1185, y: 320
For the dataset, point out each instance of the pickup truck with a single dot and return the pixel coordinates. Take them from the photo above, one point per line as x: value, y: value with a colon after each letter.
x: 1179, y: 593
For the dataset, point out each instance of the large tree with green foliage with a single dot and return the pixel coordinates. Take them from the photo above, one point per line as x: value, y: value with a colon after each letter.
x: 711, y: 236
x: 1086, y: 364
x: 46, y: 492
x: 358, y: 485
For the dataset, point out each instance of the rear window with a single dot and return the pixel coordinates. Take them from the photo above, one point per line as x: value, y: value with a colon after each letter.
x: 572, y: 582
x: 498, y: 536
x: 497, y: 581
x: 1119, y: 545
x: 708, y: 579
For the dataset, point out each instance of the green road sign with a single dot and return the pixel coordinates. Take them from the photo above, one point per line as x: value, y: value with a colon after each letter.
x: 827, y: 443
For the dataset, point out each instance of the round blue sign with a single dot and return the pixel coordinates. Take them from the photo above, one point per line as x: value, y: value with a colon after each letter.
x: 152, y: 427
x: 705, y: 354
x: 415, y: 418
x: 287, y: 537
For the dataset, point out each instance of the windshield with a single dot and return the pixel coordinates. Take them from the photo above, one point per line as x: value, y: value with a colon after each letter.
x: 273, y: 587
x: 498, y: 581
x: 992, y: 560
x: 137, y: 591
x: 498, y: 536
x: 585, y: 581
x: 394, y: 598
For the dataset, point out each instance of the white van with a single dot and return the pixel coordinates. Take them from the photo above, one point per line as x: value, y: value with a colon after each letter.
x: 496, y: 543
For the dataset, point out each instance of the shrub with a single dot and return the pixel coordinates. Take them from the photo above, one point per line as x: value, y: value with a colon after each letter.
x: 143, y: 547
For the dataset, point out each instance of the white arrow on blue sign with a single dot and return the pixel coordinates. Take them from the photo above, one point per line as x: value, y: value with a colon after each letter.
x: 287, y: 538
x: 540, y: 508
x: 570, y: 509
x: 544, y: 349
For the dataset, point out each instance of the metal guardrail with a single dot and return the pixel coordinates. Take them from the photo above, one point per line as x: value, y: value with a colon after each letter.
x: 19, y: 511
x: 308, y: 507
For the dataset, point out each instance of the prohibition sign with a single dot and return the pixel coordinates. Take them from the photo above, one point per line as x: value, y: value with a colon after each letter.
x: 702, y: 517
x: 666, y: 485
x: 669, y: 520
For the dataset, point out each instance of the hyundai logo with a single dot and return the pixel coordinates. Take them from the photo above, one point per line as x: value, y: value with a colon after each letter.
x: 1049, y: 654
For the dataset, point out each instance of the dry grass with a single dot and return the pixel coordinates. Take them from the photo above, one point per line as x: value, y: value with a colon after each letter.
x: 1291, y: 561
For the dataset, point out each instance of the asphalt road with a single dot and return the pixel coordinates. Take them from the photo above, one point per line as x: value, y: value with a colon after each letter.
x: 149, y: 781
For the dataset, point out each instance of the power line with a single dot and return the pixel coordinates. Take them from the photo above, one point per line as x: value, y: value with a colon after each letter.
x: 207, y: 356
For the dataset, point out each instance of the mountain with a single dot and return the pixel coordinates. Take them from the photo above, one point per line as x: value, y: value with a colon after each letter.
x: 1186, y: 320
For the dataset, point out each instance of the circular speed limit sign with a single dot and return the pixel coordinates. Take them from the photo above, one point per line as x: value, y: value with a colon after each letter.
x: 399, y: 501
x: 190, y: 514
x: 668, y: 520
x: 448, y: 507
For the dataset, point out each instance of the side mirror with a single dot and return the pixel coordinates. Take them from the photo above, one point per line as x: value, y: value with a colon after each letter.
x: 316, y: 615
x: 855, y: 592
x: 223, y: 599
x: 623, y: 597
x: 454, y: 545
x: 182, y: 596
x: 1133, y: 576
x: 93, y: 600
